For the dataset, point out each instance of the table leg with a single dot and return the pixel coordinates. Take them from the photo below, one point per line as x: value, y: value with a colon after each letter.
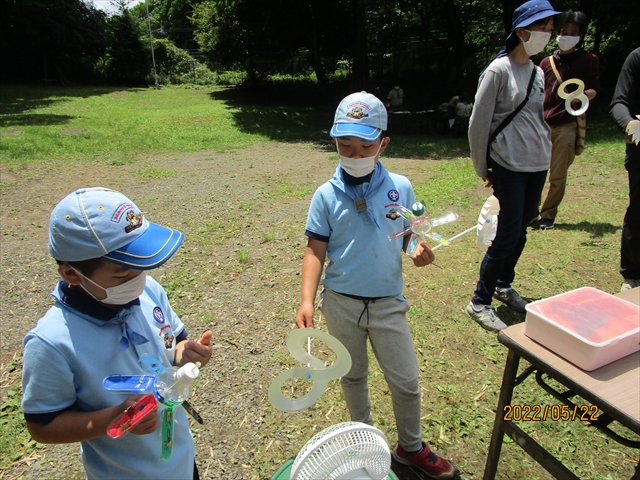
x: 506, y: 393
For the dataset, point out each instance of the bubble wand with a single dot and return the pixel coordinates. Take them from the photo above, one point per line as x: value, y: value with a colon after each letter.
x: 420, y: 225
x: 169, y: 386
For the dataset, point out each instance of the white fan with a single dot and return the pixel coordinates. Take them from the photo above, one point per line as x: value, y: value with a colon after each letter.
x: 349, y: 450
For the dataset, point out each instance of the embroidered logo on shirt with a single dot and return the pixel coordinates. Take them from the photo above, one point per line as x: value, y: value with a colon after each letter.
x: 158, y: 315
x: 393, y: 195
x: 393, y: 214
x: 167, y: 332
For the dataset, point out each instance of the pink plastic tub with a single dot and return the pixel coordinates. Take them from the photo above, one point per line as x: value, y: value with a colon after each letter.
x: 588, y: 327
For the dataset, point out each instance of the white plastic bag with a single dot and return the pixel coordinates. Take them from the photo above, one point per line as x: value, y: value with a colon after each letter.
x: 488, y: 222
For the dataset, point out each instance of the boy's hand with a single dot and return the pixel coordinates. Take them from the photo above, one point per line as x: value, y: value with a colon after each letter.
x: 304, y: 319
x: 192, y: 351
x: 423, y: 255
x: 149, y: 423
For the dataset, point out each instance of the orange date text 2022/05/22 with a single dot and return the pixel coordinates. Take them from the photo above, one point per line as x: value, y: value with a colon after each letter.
x: 537, y: 413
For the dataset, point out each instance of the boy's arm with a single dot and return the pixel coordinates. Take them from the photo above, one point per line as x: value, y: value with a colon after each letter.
x: 311, y: 270
x: 192, y: 351
x: 73, y: 426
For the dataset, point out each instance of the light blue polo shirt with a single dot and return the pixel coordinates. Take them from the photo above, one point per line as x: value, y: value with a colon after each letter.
x: 362, y: 259
x: 68, y: 355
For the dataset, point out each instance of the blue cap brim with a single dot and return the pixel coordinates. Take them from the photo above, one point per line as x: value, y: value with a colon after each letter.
x: 538, y: 16
x: 148, y: 251
x: 355, y: 130
x: 557, y: 25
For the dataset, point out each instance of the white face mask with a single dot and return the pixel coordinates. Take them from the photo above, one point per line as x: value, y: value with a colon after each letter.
x: 358, y: 167
x: 120, y: 294
x: 536, y: 43
x: 565, y: 42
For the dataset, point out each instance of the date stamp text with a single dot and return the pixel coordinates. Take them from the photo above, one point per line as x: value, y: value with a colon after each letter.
x: 537, y: 413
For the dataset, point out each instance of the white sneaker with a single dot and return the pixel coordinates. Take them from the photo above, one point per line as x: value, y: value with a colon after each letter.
x: 629, y: 283
x: 487, y: 317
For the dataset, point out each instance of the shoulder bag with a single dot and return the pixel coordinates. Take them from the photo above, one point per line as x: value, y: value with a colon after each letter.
x: 511, y: 116
x: 581, y: 131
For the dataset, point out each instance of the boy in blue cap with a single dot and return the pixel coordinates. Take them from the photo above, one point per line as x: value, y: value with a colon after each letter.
x: 107, y: 314
x: 349, y: 222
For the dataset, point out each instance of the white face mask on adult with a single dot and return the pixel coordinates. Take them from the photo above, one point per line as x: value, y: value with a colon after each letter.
x: 566, y: 42
x: 121, y: 294
x: 358, y: 167
x: 536, y: 43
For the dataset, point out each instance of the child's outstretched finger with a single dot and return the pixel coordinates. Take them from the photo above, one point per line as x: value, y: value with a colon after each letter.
x: 199, y: 351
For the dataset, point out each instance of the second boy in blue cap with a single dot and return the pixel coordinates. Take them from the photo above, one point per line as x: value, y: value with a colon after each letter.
x: 107, y: 314
x: 350, y: 219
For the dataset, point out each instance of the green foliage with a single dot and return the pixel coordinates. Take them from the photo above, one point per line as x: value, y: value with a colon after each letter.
x: 127, y: 61
x: 56, y: 40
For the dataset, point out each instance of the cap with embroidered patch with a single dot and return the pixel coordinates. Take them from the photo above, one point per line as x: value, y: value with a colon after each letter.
x: 360, y: 115
x: 102, y: 223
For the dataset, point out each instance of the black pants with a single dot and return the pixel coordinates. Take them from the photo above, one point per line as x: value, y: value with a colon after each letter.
x: 630, y: 244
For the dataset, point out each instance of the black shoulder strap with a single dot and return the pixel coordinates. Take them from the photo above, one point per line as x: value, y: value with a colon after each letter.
x: 507, y: 120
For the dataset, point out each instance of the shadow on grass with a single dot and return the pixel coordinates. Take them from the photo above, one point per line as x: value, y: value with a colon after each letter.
x: 596, y: 230
x: 32, y: 120
x: 19, y: 104
x: 306, y: 115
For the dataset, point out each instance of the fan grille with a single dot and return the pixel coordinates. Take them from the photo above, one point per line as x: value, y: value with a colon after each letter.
x: 343, y: 448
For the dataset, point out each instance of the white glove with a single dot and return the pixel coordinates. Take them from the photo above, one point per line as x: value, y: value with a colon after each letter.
x: 633, y: 130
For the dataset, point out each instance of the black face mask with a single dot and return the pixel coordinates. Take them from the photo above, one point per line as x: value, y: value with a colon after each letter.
x: 351, y: 180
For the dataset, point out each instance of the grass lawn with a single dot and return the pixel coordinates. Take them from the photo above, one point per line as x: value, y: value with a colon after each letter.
x: 241, y: 174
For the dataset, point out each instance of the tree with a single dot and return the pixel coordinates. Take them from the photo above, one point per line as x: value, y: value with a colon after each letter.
x: 127, y: 59
x: 56, y: 39
x: 264, y: 37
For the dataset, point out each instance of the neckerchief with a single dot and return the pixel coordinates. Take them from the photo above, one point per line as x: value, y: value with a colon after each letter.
x: 86, y: 305
x: 380, y: 174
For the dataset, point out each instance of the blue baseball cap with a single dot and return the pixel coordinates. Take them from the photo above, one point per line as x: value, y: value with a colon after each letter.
x: 102, y: 223
x: 360, y: 115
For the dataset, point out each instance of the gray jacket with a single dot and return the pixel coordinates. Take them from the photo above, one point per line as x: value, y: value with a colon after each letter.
x: 525, y: 144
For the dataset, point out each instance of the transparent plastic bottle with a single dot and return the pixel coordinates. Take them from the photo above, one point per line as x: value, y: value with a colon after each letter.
x: 173, y: 385
x: 421, y: 221
x: 420, y: 226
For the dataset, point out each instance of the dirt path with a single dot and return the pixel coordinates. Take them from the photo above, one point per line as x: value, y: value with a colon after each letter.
x: 237, y: 274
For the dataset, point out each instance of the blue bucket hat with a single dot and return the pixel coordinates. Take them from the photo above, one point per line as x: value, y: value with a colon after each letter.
x: 532, y: 11
x: 102, y: 223
x: 360, y: 115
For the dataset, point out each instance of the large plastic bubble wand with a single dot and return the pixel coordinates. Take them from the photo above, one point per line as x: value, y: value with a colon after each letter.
x: 449, y: 240
x: 420, y: 225
x: 487, y: 225
x: 169, y: 386
x: 315, y: 370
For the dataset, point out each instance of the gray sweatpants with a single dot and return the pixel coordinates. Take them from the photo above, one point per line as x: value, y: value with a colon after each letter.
x: 385, y: 325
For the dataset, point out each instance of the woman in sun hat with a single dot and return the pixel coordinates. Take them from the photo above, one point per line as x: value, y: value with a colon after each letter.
x: 511, y: 151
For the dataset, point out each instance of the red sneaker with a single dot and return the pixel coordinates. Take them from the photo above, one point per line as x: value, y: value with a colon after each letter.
x: 427, y: 461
